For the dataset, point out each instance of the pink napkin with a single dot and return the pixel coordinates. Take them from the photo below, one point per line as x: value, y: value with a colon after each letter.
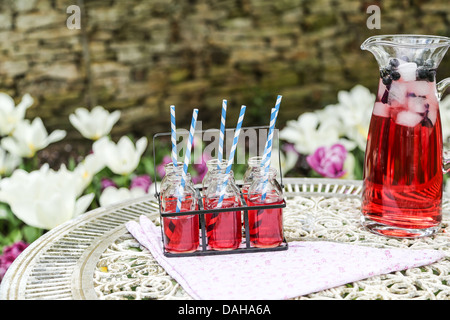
x: 305, y: 267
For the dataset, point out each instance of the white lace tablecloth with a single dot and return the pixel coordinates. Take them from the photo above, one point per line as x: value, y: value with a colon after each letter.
x: 94, y: 257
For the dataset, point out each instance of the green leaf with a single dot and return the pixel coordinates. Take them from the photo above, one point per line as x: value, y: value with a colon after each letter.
x: 31, y: 234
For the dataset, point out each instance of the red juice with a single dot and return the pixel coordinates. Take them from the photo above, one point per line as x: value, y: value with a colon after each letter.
x: 181, y: 233
x: 265, y: 225
x: 224, y: 229
x: 403, y: 175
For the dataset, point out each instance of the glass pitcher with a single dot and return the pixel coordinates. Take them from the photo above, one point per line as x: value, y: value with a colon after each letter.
x: 403, y: 166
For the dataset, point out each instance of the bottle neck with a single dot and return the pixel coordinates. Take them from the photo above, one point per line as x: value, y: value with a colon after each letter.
x: 213, y: 164
x: 260, y: 173
x: 218, y: 183
x: 176, y: 176
x: 255, y: 162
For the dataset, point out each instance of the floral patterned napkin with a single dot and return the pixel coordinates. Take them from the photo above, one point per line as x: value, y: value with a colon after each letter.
x: 306, y: 267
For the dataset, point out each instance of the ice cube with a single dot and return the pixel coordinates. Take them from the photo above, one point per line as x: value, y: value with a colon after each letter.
x: 408, y: 118
x: 381, y: 109
x: 417, y: 104
x: 397, y: 93
x: 407, y: 71
x: 420, y: 88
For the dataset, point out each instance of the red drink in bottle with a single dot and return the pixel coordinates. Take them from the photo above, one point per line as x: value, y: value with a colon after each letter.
x: 181, y: 233
x: 265, y: 225
x: 224, y: 229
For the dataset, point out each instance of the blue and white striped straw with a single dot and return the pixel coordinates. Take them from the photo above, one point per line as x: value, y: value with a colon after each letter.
x: 277, y: 109
x: 265, y: 163
x: 222, y: 132
x: 268, y: 152
x: 237, y: 132
x: 174, y: 135
x: 187, y: 159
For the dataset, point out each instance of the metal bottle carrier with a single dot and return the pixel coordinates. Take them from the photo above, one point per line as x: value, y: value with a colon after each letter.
x: 203, y: 248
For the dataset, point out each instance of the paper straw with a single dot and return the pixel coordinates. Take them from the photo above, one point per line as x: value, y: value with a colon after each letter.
x: 232, y: 152
x: 174, y: 135
x: 187, y: 158
x: 277, y: 109
x: 222, y: 132
x: 268, y: 152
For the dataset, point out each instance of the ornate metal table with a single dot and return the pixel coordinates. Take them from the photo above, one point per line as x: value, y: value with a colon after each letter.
x: 94, y: 256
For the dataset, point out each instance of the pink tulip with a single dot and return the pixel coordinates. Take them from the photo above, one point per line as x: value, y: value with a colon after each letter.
x: 328, y: 161
x: 143, y: 181
x: 105, y: 183
x: 9, y: 255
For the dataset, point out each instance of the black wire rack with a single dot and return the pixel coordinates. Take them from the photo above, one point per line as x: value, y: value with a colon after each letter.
x: 244, y: 208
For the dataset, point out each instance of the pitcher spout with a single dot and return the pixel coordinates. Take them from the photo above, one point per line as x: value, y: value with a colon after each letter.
x: 423, y: 50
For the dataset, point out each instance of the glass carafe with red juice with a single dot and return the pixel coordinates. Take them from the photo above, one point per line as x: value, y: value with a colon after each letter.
x: 404, y: 165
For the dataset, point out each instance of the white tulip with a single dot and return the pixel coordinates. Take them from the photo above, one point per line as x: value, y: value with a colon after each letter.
x: 28, y: 138
x: 112, y: 195
x: 8, y: 162
x: 122, y: 158
x: 94, y: 124
x: 10, y: 114
x: 83, y: 173
x: 87, y: 169
x: 354, y: 111
x: 43, y: 198
x: 285, y: 161
x: 346, y: 123
x: 309, y: 132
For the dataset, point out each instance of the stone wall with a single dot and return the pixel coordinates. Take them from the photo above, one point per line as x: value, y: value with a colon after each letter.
x: 142, y: 56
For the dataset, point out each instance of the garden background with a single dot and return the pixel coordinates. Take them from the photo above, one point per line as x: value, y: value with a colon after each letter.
x: 140, y: 57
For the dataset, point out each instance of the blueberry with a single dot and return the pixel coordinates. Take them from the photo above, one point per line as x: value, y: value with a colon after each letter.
x: 394, y: 62
x: 431, y: 75
x: 422, y: 73
x: 387, y: 81
x: 384, y: 72
x: 395, y: 75
x: 429, y: 63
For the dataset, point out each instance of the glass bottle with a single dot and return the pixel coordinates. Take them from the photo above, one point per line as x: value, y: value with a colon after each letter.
x: 265, y: 225
x: 223, y: 228
x: 212, y: 165
x: 170, y: 169
x: 254, y: 165
x: 181, y: 233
